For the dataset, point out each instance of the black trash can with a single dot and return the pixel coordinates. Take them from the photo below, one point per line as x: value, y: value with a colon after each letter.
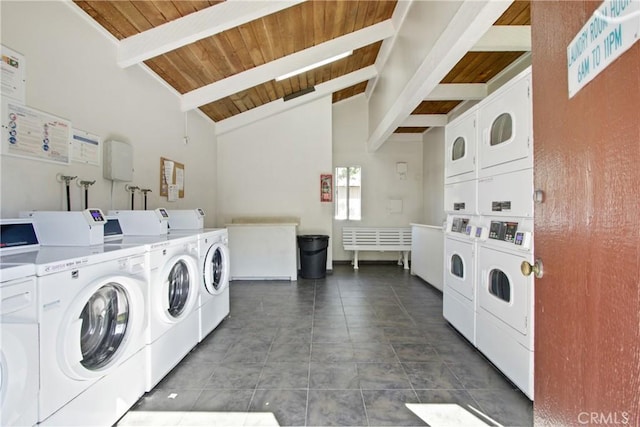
x: 313, y: 255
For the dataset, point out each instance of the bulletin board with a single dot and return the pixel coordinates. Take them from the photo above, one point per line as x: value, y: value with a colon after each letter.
x: 171, y: 176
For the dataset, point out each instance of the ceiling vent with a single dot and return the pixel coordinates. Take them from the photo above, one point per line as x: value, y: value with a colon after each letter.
x: 299, y: 93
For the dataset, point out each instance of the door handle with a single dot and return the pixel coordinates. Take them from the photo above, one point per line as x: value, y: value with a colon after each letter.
x: 536, y: 268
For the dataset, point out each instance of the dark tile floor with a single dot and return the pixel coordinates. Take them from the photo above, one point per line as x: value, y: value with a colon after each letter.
x: 348, y: 350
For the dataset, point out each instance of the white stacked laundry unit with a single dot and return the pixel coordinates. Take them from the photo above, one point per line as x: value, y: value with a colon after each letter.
x: 489, y: 230
x: 460, y: 201
x: 505, y: 296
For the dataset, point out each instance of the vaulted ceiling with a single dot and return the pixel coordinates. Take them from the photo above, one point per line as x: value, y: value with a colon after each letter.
x: 223, y: 57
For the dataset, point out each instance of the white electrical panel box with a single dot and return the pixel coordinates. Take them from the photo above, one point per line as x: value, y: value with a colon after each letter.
x: 118, y: 161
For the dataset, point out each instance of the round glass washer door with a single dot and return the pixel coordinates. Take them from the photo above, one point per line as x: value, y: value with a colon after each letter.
x: 179, y: 287
x: 105, y: 320
x: 216, y: 269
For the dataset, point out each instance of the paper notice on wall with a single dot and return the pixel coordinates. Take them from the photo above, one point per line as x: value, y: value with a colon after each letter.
x: 13, y: 79
x: 172, y: 193
x: 180, y: 179
x: 30, y: 133
x: 85, y: 147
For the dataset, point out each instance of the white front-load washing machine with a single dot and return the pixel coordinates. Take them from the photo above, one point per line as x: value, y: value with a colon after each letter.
x: 505, y: 302
x: 19, y: 354
x: 91, y: 311
x: 172, y: 302
x: 459, y: 282
x: 214, y: 292
x: 213, y: 250
x: 172, y: 296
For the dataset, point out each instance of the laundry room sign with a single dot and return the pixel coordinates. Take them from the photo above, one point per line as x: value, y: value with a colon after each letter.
x: 612, y: 29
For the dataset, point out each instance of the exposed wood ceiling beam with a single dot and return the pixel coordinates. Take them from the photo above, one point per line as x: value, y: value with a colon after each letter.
x: 466, y: 27
x: 405, y: 137
x: 458, y: 91
x: 399, y: 15
x: 289, y: 63
x: 505, y: 38
x: 275, y: 107
x: 425, y: 120
x: 193, y: 27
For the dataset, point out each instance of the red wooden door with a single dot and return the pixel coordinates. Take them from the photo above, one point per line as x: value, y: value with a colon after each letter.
x: 587, y: 162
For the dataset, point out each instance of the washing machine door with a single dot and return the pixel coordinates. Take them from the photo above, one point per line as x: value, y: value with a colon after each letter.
x: 100, y: 322
x: 19, y: 374
x: 179, y: 289
x: 216, y: 268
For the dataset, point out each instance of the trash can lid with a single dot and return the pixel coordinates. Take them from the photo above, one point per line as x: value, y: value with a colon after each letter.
x: 313, y: 236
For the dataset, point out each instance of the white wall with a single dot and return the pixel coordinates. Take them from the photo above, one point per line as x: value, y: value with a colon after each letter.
x: 380, y: 182
x: 424, y: 24
x: 72, y: 73
x: 272, y: 167
x: 433, y: 161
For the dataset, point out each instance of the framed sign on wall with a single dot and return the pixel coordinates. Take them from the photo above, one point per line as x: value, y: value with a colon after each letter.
x: 326, y: 187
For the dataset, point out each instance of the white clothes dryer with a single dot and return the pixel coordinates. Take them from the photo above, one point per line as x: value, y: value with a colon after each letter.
x: 19, y: 354
x: 505, y: 302
x: 91, y: 319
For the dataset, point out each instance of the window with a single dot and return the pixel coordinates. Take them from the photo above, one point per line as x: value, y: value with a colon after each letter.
x: 348, y: 192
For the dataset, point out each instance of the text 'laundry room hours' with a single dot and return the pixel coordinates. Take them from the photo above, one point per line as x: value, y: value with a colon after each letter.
x: 612, y: 29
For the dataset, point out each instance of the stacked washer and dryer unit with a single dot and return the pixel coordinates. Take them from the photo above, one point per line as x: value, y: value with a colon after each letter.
x: 90, y: 315
x: 489, y: 232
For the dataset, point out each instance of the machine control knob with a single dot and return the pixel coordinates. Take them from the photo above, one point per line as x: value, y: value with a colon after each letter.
x: 536, y: 268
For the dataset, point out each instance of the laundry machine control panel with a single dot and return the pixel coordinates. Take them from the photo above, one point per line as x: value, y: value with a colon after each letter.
x: 503, y: 230
x: 142, y: 223
x: 510, y: 232
x: 70, y: 228
x: 17, y: 234
x: 459, y: 225
x: 94, y: 216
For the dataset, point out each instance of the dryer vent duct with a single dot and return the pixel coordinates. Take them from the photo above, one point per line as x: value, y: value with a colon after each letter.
x: 299, y: 93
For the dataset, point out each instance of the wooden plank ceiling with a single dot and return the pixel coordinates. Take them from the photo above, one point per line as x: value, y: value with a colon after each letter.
x: 277, y: 35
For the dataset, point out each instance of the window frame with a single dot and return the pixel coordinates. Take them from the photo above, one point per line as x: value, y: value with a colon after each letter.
x: 348, y: 198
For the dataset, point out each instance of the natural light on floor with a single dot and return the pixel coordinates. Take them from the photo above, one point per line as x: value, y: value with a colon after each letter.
x: 450, y: 415
x: 434, y: 414
x: 230, y: 419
